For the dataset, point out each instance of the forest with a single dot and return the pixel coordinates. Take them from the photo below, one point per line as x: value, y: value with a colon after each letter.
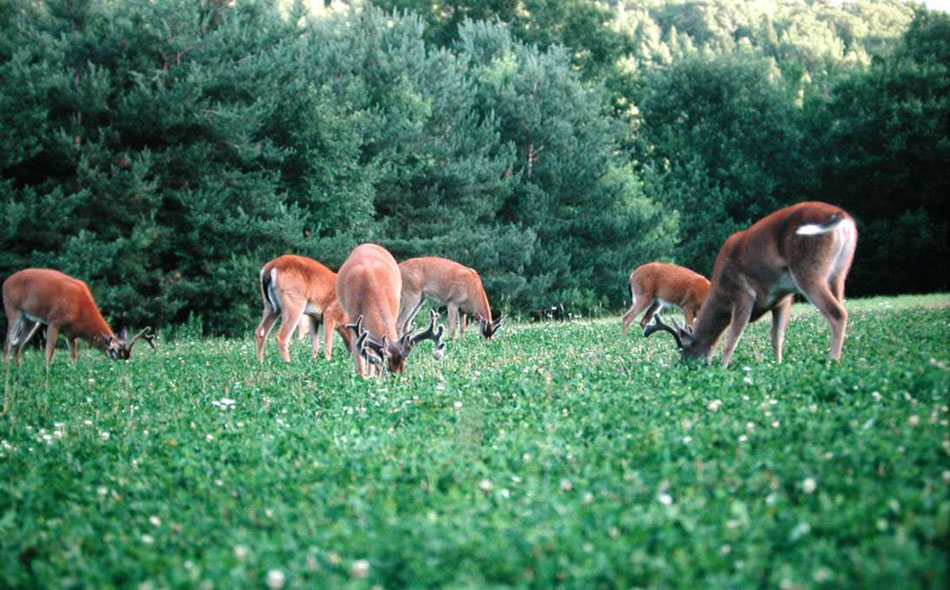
x: 164, y: 150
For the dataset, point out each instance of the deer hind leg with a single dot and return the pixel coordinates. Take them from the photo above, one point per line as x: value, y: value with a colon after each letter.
x: 741, y: 312
x: 14, y: 325
x: 73, y: 348
x: 314, y: 327
x: 639, y: 304
x: 780, y: 315
x: 463, y: 319
x: 821, y: 296
x: 264, y: 328
x: 19, y: 340
x: 289, y: 316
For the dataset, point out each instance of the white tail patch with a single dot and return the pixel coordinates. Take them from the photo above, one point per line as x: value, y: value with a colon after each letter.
x: 814, y: 229
x: 271, y: 291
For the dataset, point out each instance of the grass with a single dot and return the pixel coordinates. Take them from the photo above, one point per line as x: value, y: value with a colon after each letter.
x: 558, y: 455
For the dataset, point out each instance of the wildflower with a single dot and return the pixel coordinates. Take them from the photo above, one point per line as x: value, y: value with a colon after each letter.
x: 876, y: 396
x: 714, y: 405
x: 148, y: 539
x: 240, y: 552
x: 809, y: 485
x: 104, y: 435
x: 457, y: 405
x: 155, y: 520
x: 209, y: 437
x: 687, y: 440
x: 913, y: 421
x: 485, y: 485
x: 665, y: 499
x: 360, y: 568
x: 566, y: 485
x: 275, y: 579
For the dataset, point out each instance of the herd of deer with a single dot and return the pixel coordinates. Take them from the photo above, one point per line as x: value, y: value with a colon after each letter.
x: 806, y: 248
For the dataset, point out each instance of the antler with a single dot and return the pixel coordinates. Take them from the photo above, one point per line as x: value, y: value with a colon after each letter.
x: 658, y: 325
x: 147, y: 333
x: 430, y: 333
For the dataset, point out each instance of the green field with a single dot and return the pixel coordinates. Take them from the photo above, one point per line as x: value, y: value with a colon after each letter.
x: 559, y: 455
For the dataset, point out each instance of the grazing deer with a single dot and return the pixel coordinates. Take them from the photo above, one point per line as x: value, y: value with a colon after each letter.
x: 458, y: 287
x: 36, y: 296
x: 369, y: 287
x: 655, y: 285
x: 805, y: 248
x: 293, y: 287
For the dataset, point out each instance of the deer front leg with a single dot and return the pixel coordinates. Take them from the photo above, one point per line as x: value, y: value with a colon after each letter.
x: 453, y: 313
x: 73, y: 348
x: 52, y: 333
x: 741, y: 312
x: 313, y: 326
x: 780, y: 315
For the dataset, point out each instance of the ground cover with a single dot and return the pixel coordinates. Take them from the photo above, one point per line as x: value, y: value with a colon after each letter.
x: 558, y: 455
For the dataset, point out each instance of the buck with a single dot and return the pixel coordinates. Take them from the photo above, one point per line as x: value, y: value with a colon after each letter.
x: 294, y: 287
x: 806, y: 248
x: 369, y: 287
x: 456, y: 286
x: 655, y: 285
x: 37, y: 296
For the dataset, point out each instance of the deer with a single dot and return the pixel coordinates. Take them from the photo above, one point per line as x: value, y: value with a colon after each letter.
x: 455, y: 285
x: 294, y: 287
x: 369, y: 287
x: 805, y: 248
x: 656, y: 285
x: 36, y: 296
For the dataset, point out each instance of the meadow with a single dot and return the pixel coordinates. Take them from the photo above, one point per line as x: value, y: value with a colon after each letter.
x: 557, y: 455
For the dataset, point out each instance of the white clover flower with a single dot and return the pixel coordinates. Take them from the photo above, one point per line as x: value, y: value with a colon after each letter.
x: 360, y: 568
x: 566, y: 485
x: 155, y: 520
x: 664, y: 499
x: 913, y: 421
x: 714, y: 405
x: 275, y: 579
x: 104, y: 435
x: 809, y: 485
x: 876, y: 396
x: 457, y: 405
x: 485, y: 485
x: 148, y: 539
x: 240, y: 552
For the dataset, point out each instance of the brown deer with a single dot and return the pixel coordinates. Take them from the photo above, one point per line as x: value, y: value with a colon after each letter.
x: 458, y: 287
x: 655, y: 285
x: 36, y: 296
x: 806, y: 248
x: 369, y: 287
x: 294, y: 287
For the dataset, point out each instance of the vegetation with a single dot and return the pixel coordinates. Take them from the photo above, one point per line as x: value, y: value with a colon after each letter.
x: 558, y: 455
x: 162, y: 151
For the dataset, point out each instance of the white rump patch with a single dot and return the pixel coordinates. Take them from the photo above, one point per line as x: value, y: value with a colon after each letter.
x: 813, y: 229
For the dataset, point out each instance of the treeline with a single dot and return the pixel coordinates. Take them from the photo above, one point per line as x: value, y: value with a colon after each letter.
x: 164, y: 150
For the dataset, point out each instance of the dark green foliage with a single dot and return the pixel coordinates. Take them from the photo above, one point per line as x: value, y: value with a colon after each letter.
x: 884, y: 155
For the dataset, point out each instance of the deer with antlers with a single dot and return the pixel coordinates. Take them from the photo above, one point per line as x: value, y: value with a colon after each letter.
x: 656, y: 285
x: 458, y: 287
x: 294, y: 287
x: 369, y: 287
x: 806, y: 248
x: 37, y: 296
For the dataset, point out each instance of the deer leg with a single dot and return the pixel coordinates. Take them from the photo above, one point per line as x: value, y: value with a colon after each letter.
x: 14, y: 323
x: 52, y: 333
x: 453, y: 313
x: 741, y: 312
x: 639, y: 304
x: 263, y: 329
x: 655, y: 308
x: 73, y: 348
x: 289, y: 316
x: 328, y: 328
x: 780, y: 315
x: 314, y: 326
x: 21, y: 341
x: 463, y: 319
x: 820, y: 296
